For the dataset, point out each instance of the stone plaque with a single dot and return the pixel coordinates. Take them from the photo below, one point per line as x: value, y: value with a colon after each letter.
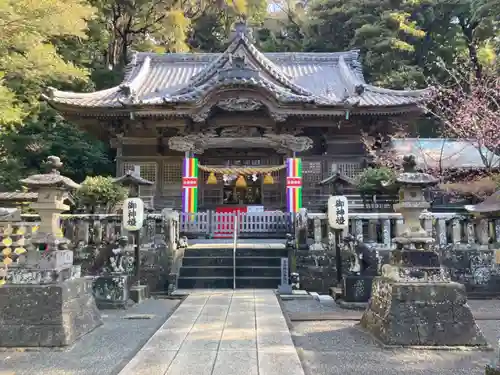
x: 57, y: 259
x: 284, y: 271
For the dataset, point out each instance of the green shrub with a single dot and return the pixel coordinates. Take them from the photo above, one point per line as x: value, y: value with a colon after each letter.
x: 372, y: 181
x: 100, y: 193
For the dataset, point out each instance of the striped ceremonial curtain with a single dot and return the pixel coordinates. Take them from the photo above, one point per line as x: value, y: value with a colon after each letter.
x: 294, y: 184
x: 190, y: 185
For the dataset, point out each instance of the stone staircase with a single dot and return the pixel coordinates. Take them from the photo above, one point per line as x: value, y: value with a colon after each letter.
x: 210, y: 267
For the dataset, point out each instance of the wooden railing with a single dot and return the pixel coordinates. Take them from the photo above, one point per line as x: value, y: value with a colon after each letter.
x: 379, y: 229
x: 222, y: 224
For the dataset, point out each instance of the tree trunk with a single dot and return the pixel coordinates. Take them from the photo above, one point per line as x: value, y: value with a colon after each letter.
x: 468, y: 31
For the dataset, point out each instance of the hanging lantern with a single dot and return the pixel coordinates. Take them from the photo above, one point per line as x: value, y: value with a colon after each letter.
x: 212, y: 180
x: 268, y: 179
x: 241, y: 182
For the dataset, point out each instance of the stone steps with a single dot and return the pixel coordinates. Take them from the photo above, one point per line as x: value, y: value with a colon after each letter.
x: 208, y: 267
x: 227, y: 282
x: 252, y: 261
x: 227, y: 271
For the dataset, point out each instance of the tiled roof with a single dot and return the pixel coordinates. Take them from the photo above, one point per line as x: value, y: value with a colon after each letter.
x: 489, y: 205
x: 444, y: 153
x: 324, y: 79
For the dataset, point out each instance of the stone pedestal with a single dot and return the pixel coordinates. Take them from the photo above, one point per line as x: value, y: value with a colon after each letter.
x: 45, y: 302
x: 112, y: 291
x: 356, y: 288
x: 421, y: 314
x: 47, y: 315
x: 139, y: 293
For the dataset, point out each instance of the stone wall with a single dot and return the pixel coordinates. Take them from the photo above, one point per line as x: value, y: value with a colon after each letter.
x: 469, y: 249
x: 475, y: 268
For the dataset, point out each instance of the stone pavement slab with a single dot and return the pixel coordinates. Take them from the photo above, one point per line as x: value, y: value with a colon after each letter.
x: 221, y: 333
x: 105, y: 350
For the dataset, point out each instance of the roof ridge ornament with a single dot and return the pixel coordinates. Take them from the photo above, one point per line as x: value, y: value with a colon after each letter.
x: 242, y: 30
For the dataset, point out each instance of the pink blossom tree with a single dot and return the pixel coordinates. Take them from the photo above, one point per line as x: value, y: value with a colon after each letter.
x: 470, y: 112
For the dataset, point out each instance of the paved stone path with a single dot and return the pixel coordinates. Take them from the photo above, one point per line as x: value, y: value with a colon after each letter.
x: 221, y: 333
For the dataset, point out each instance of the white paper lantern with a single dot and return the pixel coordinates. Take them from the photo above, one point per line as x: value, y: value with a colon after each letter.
x: 133, y: 214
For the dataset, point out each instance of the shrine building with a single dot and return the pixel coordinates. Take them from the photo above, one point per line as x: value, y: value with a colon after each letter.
x: 239, y: 130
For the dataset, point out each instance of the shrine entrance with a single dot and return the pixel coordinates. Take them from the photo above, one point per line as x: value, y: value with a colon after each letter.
x: 254, y: 180
x: 254, y: 175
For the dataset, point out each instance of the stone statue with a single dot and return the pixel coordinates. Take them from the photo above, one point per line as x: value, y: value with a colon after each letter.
x: 295, y: 280
x: 367, y: 260
x: 114, y: 258
x: 183, y: 242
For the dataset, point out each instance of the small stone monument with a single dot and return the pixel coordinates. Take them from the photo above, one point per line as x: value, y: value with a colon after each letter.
x: 45, y: 302
x: 365, y: 266
x: 414, y: 303
x: 112, y: 286
x: 301, y: 226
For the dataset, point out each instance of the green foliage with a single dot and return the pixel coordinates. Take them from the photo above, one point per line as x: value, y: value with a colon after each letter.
x: 372, y: 181
x: 28, y: 59
x: 83, y: 45
x: 25, y: 148
x: 100, y: 192
x: 404, y: 43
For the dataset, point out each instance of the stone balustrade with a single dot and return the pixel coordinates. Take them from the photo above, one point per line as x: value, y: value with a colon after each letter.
x: 379, y: 229
x: 102, y: 228
x: 90, y: 234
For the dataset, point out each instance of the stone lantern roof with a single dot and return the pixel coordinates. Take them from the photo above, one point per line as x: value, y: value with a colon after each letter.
x: 52, y: 179
x: 410, y: 176
x: 132, y: 178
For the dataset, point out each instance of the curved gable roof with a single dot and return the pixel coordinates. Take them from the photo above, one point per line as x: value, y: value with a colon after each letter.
x: 322, y: 79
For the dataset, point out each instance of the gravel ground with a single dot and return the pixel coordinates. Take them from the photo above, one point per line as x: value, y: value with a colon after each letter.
x: 310, y: 306
x: 104, y: 351
x: 337, y: 347
x: 304, y: 306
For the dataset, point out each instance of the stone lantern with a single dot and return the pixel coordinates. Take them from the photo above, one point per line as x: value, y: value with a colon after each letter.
x: 57, y: 307
x: 414, y: 303
x: 51, y: 250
